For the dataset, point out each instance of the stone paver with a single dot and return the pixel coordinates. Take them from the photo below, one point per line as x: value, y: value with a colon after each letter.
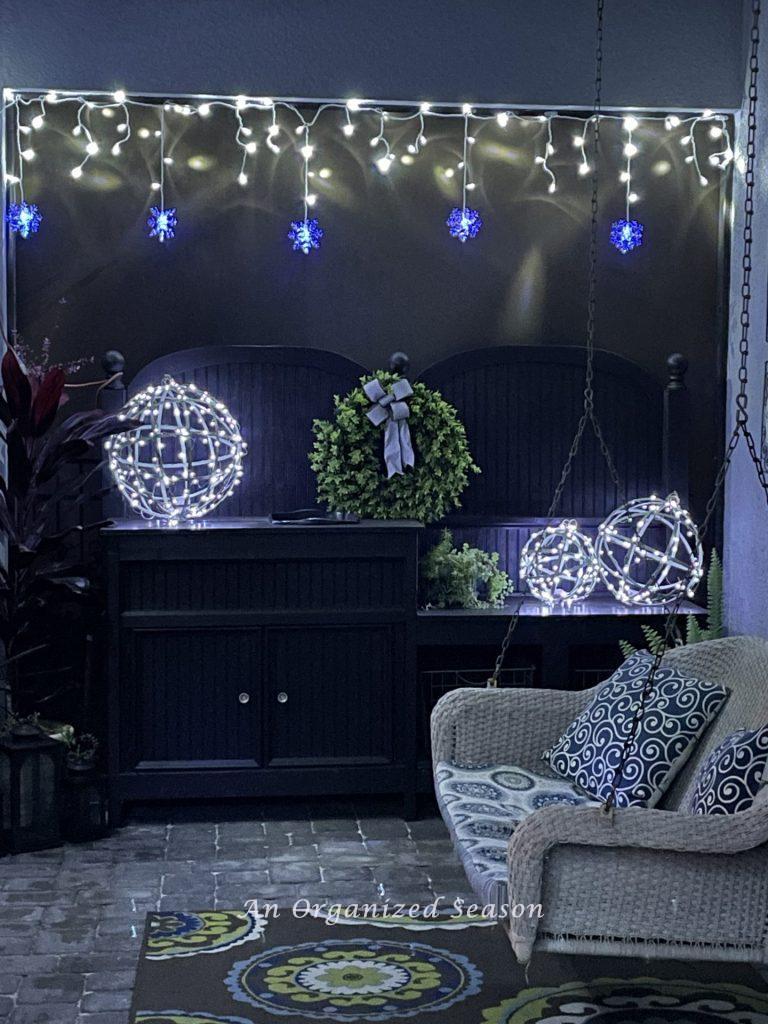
x: 72, y: 919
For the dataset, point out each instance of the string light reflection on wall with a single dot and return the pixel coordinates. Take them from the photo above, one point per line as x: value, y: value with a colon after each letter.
x: 254, y: 115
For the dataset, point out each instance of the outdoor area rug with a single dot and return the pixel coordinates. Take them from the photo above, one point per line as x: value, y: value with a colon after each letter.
x: 234, y: 967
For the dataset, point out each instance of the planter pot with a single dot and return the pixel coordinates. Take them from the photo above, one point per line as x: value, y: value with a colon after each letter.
x: 86, y: 803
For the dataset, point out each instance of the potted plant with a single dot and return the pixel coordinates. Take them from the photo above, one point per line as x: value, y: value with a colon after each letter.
x: 40, y: 563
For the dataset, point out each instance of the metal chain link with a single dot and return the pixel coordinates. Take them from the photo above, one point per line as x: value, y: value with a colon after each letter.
x: 588, y: 415
x: 741, y: 427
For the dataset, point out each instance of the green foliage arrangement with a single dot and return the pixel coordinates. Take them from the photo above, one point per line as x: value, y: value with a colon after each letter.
x: 347, y: 457
x: 462, y: 577
x: 694, y: 633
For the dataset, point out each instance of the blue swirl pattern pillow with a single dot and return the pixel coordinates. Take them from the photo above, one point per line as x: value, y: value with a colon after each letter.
x: 677, y: 712
x: 731, y: 777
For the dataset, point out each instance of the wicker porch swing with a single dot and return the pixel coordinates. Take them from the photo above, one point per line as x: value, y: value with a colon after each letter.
x: 626, y: 881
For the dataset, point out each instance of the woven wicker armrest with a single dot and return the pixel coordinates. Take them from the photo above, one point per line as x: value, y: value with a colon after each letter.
x: 501, y: 726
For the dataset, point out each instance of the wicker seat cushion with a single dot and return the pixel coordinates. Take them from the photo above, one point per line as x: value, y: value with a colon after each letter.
x: 677, y: 711
x: 731, y: 777
x: 482, y: 804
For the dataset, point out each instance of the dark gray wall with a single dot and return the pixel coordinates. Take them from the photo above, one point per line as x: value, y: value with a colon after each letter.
x: 684, y: 53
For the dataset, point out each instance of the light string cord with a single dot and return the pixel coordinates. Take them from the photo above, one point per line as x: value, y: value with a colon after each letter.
x: 162, y: 159
x: 741, y: 427
x: 549, y: 150
x: 91, y: 147
x: 19, y: 159
x: 306, y: 151
x: 464, y: 161
x: 588, y: 414
x: 630, y: 150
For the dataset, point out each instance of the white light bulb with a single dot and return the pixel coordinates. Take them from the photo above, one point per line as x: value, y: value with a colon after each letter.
x: 466, y: 108
x: 633, y: 197
x: 311, y: 199
x: 703, y: 181
x: 630, y: 149
x: 578, y: 141
x: 348, y: 129
x: 37, y: 121
x: 242, y: 178
x: 51, y: 97
x: 107, y: 112
x: 715, y: 132
x: 584, y: 169
x: 686, y: 139
x: 471, y: 186
x: 115, y: 151
x: 76, y: 172
x: 240, y: 102
x: 122, y: 127
x: 25, y: 129
x: 246, y: 130
x: 502, y: 119
x: 411, y: 148
x: 204, y: 109
x: 689, y: 159
x: 119, y: 96
x: 425, y: 107
x: 155, y: 186
x: 28, y: 154
x: 707, y: 112
x: 92, y: 148
x: 673, y: 121
x: 11, y: 179
x: 538, y: 159
x: 300, y: 128
x: 307, y: 151
x: 250, y: 147
x: 76, y: 130
x: 448, y: 172
x: 624, y: 176
x: 324, y: 172
x: 143, y: 133
x: 354, y: 104
x: 630, y: 124
x: 383, y: 165
x: 168, y: 160
x: 552, y: 187
x: 714, y: 159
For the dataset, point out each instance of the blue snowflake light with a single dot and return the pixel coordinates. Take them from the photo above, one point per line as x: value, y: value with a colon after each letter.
x: 24, y: 218
x: 464, y: 223
x: 305, y: 235
x: 626, y: 235
x: 161, y: 223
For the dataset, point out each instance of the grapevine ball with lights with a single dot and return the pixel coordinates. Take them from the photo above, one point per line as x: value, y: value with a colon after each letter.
x: 649, y: 552
x: 558, y: 564
x: 183, y: 458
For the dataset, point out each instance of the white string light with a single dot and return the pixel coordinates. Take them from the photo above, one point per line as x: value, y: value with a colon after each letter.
x: 162, y: 222
x: 121, y: 103
x: 630, y: 151
x: 549, y: 150
x: 463, y: 222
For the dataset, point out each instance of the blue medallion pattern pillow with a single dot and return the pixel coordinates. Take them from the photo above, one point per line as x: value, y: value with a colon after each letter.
x: 677, y: 712
x: 731, y: 777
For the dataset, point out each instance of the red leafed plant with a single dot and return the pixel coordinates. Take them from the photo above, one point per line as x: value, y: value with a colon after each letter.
x: 38, y: 560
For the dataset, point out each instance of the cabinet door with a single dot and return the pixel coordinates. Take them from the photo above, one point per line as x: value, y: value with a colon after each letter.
x: 330, y: 694
x: 190, y: 698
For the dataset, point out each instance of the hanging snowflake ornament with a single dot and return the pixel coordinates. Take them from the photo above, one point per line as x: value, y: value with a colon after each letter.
x: 649, y: 552
x: 305, y: 235
x: 626, y: 235
x: 464, y: 223
x: 558, y: 564
x: 183, y: 458
x: 162, y: 223
x: 23, y: 218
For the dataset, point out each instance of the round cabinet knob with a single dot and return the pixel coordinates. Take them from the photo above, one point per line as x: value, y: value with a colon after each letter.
x: 282, y: 697
x: 244, y: 698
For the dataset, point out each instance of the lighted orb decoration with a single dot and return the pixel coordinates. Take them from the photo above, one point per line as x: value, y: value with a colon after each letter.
x: 464, y: 223
x: 627, y: 235
x: 558, y: 564
x: 184, y: 457
x: 649, y: 552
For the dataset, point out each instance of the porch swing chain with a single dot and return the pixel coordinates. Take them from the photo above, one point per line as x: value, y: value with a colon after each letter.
x: 588, y: 414
x: 741, y: 426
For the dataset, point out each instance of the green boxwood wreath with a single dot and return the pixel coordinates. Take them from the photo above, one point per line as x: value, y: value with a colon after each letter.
x: 348, y: 458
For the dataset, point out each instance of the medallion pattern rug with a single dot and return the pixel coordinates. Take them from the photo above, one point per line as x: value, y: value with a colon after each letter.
x: 233, y: 967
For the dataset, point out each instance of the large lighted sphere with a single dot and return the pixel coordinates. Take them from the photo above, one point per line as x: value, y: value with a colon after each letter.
x: 649, y: 551
x: 558, y: 564
x: 183, y: 458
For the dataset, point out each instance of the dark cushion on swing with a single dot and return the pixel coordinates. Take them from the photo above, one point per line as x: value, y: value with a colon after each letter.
x: 677, y: 711
x: 731, y: 777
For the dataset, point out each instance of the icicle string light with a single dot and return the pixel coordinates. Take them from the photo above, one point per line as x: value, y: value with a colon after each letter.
x: 118, y: 105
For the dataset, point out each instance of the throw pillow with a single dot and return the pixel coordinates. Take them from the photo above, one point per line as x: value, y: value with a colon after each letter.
x: 676, y: 713
x: 731, y: 777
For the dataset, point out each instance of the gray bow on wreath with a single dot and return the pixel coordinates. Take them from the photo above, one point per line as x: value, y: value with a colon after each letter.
x: 392, y: 409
